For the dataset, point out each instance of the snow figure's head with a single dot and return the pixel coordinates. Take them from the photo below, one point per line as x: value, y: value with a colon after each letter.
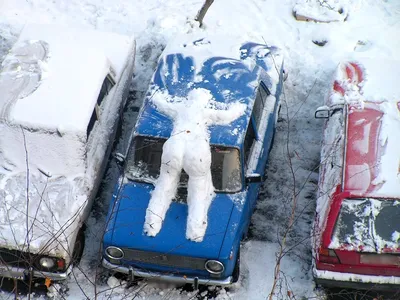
x: 199, y: 98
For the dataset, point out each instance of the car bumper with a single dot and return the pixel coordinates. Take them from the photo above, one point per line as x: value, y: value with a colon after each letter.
x: 22, y: 273
x: 349, y: 280
x: 166, y: 277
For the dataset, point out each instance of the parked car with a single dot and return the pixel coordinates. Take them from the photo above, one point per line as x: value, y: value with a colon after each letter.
x: 231, y: 71
x: 356, y: 233
x: 62, y: 92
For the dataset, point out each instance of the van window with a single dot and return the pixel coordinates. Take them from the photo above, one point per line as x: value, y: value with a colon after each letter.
x: 92, y: 121
x: 259, y: 102
x: 107, y: 85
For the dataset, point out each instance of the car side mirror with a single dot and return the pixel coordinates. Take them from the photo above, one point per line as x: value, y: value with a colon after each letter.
x: 254, y: 178
x: 322, y: 112
x: 119, y: 158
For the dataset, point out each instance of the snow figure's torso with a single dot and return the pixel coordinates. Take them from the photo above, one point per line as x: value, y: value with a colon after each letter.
x: 188, y: 148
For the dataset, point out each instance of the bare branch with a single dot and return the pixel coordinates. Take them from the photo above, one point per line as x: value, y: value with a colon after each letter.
x: 202, y: 12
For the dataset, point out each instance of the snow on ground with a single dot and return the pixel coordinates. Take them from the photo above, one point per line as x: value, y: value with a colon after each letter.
x: 371, y: 30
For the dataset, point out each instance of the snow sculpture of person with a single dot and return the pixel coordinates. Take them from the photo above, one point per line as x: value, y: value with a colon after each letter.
x: 188, y: 148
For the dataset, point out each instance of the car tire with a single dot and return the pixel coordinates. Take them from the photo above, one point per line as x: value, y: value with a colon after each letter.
x: 236, y: 269
x: 79, y: 246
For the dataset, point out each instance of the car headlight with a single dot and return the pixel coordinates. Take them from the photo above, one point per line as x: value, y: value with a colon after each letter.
x: 214, y: 267
x: 46, y: 262
x: 114, y: 252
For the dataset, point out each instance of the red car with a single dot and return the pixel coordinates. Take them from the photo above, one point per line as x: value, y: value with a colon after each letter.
x: 356, y: 233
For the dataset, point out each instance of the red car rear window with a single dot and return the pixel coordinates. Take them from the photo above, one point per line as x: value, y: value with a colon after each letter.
x: 368, y: 225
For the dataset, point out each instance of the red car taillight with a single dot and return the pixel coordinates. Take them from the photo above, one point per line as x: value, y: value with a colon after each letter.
x: 328, y: 256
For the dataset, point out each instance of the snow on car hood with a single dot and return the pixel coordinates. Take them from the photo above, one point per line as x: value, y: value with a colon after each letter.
x: 48, y: 209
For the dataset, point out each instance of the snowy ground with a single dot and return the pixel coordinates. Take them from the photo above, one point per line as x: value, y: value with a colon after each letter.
x: 371, y: 29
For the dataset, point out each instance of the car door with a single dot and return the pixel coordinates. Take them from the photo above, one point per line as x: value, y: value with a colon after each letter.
x: 331, y: 165
x: 251, y: 158
x: 264, y: 119
x: 98, y: 131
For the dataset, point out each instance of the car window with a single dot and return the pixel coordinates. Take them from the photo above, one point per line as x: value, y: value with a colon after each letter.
x: 92, y: 121
x: 144, y: 162
x: 107, y: 85
x: 332, y: 152
x: 259, y: 102
x: 371, y: 224
x: 248, y: 141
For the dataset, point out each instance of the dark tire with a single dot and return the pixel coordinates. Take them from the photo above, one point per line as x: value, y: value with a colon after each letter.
x: 79, y: 246
x: 236, y: 269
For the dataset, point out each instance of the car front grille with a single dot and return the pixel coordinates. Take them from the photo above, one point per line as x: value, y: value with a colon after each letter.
x: 163, y: 259
x: 17, y: 258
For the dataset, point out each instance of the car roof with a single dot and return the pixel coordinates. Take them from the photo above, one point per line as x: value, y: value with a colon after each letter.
x: 65, y: 68
x: 226, y: 66
x: 372, y: 148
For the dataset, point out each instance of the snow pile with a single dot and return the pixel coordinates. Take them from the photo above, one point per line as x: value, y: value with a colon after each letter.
x: 188, y: 148
x: 325, y: 10
x: 347, y: 86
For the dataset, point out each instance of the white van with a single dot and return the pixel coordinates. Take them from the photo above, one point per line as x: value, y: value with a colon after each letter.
x: 62, y: 92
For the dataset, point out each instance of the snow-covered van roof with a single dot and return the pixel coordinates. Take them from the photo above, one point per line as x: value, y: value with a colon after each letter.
x: 223, y: 65
x: 53, y: 95
x: 372, y: 153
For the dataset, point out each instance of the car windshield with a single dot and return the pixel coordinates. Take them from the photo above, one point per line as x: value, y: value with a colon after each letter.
x: 144, y: 161
x: 368, y: 224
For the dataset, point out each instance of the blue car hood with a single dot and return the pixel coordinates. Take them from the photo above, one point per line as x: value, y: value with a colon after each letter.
x: 130, y: 215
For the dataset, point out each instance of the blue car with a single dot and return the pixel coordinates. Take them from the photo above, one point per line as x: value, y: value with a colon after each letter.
x: 232, y: 71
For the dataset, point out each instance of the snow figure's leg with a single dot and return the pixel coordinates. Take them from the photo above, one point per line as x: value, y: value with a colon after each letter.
x: 197, y: 164
x: 165, y: 187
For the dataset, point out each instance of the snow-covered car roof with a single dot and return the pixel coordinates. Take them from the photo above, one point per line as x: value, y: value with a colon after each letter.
x: 53, y: 95
x: 372, y: 154
x: 224, y: 65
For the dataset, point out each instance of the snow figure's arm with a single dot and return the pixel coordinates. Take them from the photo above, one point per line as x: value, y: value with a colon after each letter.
x: 160, y: 101
x: 227, y: 116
